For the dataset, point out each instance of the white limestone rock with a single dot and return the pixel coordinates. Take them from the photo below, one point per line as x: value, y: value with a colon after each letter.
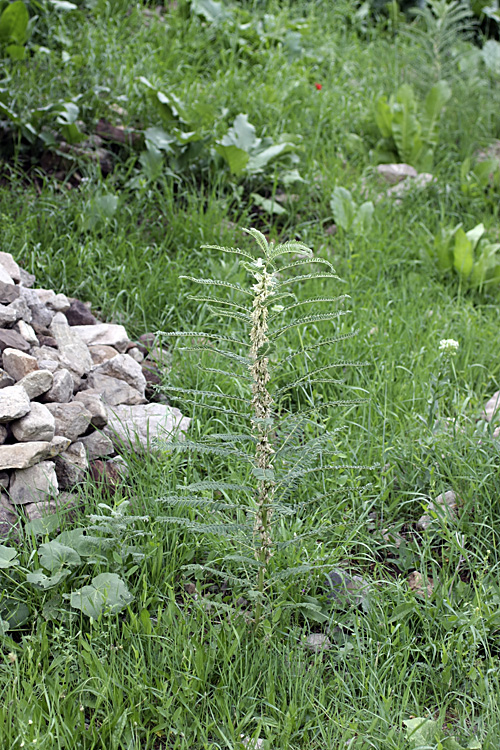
x: 61, y: 391
x: 14, y: 403
x: 49, y: 507
x: 37, y: 425
x: 108, y: 334
x: 35, y: 484
x: 100, y: 353
x: 24, y: 455
x: 445, y: 504
x: 115, y: 391
x: 36, y: 383
x: 5, y: 379
x: 92, y: 401
x: 96, y: 445
x: 71, y: 465
x: 123, y: 367
x: 73, y: 352
x: 47, y: 358
x: 18, y: 364
x: 21, y: 310
x: 5, y: 275
x: 10, y: 265
x: 139, y: 425
x: 7, y: 316
x: 56, y: 302
x: 394, y: 173
x: 72, y: 419
x: 27, y: 332
x: 41, y: 315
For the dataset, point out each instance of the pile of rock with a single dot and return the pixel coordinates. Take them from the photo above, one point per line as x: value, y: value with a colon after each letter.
x: 73, y: 391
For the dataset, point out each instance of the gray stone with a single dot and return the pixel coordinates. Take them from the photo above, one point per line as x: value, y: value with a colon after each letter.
x: 10, y: 265
x: 138, y: 426
x: 445, y: 504
x: 318, y: 642
x: 56, y: 302
x: 27, y: 332
x: 92, y: 401
x: 41, y: 315
x: 24, y: 455
x: 345, y: 589
x: 21, y: 309
x: 34, y: 484
x: 123, y: 367
x: 109, y: 334
x: 18, y: 364
x: 71, y: 465
x: 394, y: 173
x: 8, y: 517
x: 12, y: 339
x: 47, y: 358
x: 115, y: 391
x: 3, y: 434
x: 492, y: 407
x: 73, y: 352
x: 61, y: 390
x: 5, y: 276
x: 79, y: 314
x: 64, y: 502
x: 37, y: 382
x: 97, y: 444
x: 37, y: 425
x: 72, y: 419
x: 5, y: 379
x: 27, y: 279
x: 7, y: 317
x: 101, y: 353
x: 8, y: 293
x: 4, y: 479
x: 136, y: 354
x: 14, y: 403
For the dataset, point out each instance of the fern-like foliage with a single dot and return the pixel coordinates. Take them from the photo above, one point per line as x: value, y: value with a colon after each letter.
x: 436, y: 32
x: 278, y: 440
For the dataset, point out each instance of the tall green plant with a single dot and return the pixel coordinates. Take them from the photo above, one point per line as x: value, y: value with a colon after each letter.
x: 278, y: 446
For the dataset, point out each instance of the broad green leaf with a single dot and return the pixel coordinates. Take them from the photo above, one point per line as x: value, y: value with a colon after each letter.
x: 491, y: 56
x: 152, y: 162
x: 475, y: 234
x: 210, y: 10
x: 383, y: 116
x: 7, y: 556
x: 42, y: 581
x: 364, y: 218
x: 421, y: 732
x: 159, y: 139
x: 463, y: 254
x: 406, y: 97
x: 79, y: 541
x: 268, y: 205
x: 14, y: 23
x: 15, y: 612
x: 169, y: 105
x: 434, y: 103
x: 63, y: 5
x: 406, y: 133
x: 107, y: 594
x: 41, y: 526
x: 16, y: 51
x: 261, y: 159
x: 235, y: 157
x: 343, y: 207
x: 241, y: 134
x: 54, y: 556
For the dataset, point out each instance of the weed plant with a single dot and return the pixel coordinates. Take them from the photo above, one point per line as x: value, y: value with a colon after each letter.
x: 166, y: 672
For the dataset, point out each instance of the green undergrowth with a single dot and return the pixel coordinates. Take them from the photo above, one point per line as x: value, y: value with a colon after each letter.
x: 182, y: 666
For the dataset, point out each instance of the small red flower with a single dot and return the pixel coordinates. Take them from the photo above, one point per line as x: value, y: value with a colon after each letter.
x: 318, y: 86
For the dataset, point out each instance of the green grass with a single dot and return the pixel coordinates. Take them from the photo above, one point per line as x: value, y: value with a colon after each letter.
x: 170, y: 672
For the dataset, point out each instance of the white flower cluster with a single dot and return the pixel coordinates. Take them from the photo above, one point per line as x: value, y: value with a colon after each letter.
x: 449, y: 346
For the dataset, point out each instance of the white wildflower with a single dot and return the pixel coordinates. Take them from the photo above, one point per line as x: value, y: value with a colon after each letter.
x: 449, y: 346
